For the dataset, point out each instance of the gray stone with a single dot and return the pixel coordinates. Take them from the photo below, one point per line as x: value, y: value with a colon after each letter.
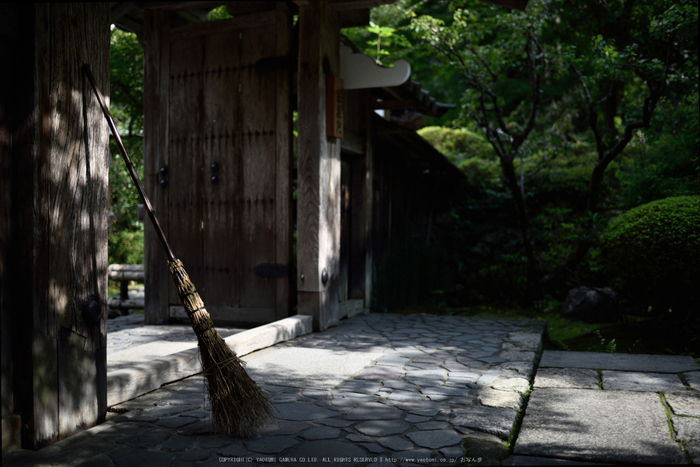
x: 399, y: 384
x: 447, y: 391
x: 231, y: 450
x: 519, y: 385
x: 270, y: 444
x: 687, y: 428
x: 335, y: 451
x: 145, y: 440
x: 435, y: 439
x: 380, y: 373
x: 426, y: 375
x: 492, y: 359
x: 417, y: 407
x: 428, y: 359
x: 514, y: 356
x: 141, y: 457
x: 373, y: 411
x: 177, y: 443
x: 176, y: 422
x: 646, y: 382
x: 591, y: 305
x: 395, y: 443
x: 405, y: 396
x: 321, y: 432
x: 393, y: 360
x: 694, y: 450
x: 350, y: 399
x: 531, y: 341
x: 693, y: 379
x: 597, y: 426
x: 617, y: 361
x: 684, y: 402
x: 410, y: 418
x: 497, y: 421
x: 358, y: 438
x: 382, y: 427
x: 524, y: 368
x: 495, y: 398
x: 213, y: 442
x: 364, y: 387
x: 334, y: 422
x: 572, y: 378
x: 194, y: 455
x: 302, y: 411
x: 436, y: 425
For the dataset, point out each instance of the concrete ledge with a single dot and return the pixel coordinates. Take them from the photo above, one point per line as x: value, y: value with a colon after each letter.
x: 126, y: 383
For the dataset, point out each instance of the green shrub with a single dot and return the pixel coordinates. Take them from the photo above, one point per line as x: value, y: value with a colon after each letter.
x: 458, y: 145
x: 126, y: 247
x: 654, y: 251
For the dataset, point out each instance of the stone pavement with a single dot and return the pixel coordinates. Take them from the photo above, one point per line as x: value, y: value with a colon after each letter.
x: 379, y: 389
x: 611, y: 408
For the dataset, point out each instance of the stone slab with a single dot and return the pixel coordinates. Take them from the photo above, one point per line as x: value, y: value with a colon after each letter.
x: 597, y: 426
x: 622, y: 362
x: 570, y: 378
x: 646, y: 382
x: 497, y: 421
x: 693, y: 379
x: 687, y: 428
x: 684, y: 402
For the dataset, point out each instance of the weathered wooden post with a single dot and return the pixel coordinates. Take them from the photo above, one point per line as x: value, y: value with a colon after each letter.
x: 55, y: 254
x: 318, y: 190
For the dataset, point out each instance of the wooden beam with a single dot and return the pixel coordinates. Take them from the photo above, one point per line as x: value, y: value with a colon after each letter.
x: 318, y: 193
x: 155, y: 155
x: 354, y: 18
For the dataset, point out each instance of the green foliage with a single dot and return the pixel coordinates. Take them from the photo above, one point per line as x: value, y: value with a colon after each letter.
x: 666, y: 160
x: 126, y: 247
x: 126, y: 106
x: 654, y: 250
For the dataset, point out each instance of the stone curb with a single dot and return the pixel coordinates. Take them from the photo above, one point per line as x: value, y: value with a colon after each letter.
x: 126, y: 384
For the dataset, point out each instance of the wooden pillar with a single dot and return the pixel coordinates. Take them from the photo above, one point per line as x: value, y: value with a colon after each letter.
x: 318, y: 191
x: 155, y: 155
x: 368, y: 199
x: 57, y: 292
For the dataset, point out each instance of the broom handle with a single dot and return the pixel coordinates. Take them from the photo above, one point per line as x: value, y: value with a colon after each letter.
x: 129, y: 165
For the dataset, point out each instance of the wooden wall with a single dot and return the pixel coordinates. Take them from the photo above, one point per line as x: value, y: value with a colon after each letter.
x: 55, y: 229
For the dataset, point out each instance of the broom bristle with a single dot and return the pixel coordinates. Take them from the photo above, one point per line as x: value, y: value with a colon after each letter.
x: 239, y: 406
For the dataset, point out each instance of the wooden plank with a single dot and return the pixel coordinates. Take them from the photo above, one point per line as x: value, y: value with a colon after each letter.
x: 231, y: 314
x: 258, y: 170
x: 350, y: 308
x: 266, y: 18
x: 368, y: 201
x: 358, y: 239
x: 345, y: 235
x: 70, y: 231
x: 221, y: 142
x: 155, y: 155
x: 185, y: 142
x: 318, y: 194
x: 284, y: 161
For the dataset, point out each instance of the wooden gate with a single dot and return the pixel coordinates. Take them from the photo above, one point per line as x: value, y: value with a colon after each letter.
x: 223, y: 171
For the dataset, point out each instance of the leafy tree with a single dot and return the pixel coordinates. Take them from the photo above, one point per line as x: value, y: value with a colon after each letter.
x: 520, y: 68
x: 126, y: 106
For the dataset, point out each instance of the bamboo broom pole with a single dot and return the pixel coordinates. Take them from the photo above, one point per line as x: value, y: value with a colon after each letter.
x: 239, y: 405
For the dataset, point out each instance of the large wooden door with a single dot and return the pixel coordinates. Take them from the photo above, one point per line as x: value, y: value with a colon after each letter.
x: 227, y: 188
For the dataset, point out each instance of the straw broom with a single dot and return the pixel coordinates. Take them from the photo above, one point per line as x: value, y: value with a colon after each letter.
x: 238, y: 404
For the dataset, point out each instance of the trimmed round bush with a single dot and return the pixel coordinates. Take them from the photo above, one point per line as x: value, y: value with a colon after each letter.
x: 654, y: 249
